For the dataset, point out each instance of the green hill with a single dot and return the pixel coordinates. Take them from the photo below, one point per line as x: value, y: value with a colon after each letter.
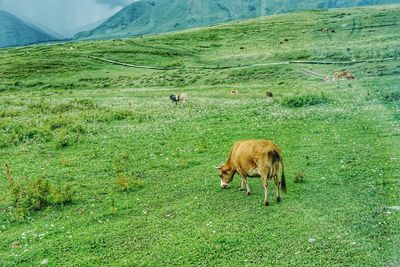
x: 106, y: 171
x: 155, y: 16
x: 15, y: 32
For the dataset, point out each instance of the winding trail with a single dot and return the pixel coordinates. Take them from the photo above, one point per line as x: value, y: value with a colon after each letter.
x: 247, y: 65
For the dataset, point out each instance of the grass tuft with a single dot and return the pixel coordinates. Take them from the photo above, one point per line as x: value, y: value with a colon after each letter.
x: 305, y: 100
x: 299, y: 177
x: 128, y: 183
x: 390, y: 96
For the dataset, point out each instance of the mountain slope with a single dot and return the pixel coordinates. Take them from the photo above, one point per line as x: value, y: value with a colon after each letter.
x: 89, y: 26
x: 155, y: 16
x: 14, y: 31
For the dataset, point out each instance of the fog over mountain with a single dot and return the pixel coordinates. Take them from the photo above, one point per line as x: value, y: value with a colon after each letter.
x: 14, y: 31
x: 68, y: 17
x: 157, y: 16
x: 65, y: 17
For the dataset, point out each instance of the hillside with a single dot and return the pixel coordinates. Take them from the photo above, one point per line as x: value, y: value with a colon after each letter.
x: 106, y: 171
x: 15, y: 32
x: 156, y: 16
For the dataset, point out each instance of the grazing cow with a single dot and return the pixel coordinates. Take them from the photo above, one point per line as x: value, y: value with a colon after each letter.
x: 269, y: 94
x: 254, y: 158
x: 343, y: 75
x: 179, y: 98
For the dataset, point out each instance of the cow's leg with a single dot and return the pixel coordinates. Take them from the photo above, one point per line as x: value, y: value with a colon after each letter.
x: 247, y: 186
x: 278, y: 194
x: 244, y: 181
x: 264, y: 174
x: 264, y: 180
x: 241, y: 185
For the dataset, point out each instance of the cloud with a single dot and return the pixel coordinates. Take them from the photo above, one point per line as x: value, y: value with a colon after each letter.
x: 115, y: 3
x: 63, y: 16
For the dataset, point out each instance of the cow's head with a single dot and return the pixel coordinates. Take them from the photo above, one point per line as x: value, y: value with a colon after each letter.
x: 226, y: 174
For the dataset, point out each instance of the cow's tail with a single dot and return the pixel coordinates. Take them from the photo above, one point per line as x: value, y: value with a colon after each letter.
x: 283, y: 179
x: 276, y: 158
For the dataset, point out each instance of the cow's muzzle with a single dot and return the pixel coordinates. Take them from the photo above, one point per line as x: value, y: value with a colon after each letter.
x: 224, y: 185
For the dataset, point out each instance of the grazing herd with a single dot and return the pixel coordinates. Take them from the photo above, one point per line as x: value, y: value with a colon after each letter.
x: 256, y: 158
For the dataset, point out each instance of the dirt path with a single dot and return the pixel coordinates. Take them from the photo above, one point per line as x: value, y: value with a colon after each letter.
x: 250, y: 65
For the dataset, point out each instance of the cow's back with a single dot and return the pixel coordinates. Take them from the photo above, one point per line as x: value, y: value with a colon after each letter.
x: 246, y: 154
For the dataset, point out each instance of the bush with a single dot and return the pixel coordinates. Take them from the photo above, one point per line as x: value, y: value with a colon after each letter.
x: 13, y: 132
x: 121, y: 114
x: 390, y: 96
x: 299, y: 177
x: 69, y: 136
x: 304, y: 100
x: 128, y: 183
x: 58, y: 122
x: 33, y: 196
x: 63, y: 195
x: 36, y: 195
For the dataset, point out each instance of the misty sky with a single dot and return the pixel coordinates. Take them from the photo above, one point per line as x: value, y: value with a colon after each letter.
x: 63, y: 16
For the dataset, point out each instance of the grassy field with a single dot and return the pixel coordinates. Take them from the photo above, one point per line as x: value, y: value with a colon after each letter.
x: 108, y: 171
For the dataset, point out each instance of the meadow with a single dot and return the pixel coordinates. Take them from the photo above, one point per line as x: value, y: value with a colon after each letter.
x: 107, y: 171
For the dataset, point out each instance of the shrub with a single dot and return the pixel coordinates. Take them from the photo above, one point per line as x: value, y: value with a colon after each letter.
x: 13, y: 132
x: 390, y: 96
x: 69, y: 136
x: 31, y: 197
x: 36, y: 195
x: 58, y: 122
x: 63, y: 195
x: 304, y: 100
x: 121, y: 114
x: 299, y: 177
x: 128, y: 183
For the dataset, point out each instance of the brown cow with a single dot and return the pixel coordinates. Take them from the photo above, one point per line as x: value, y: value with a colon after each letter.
x: 254, y: 158
x: 343, y: 75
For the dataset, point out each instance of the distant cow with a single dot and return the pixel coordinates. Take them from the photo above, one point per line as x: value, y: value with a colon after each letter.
x: 178, y: 98
x: 343, y: 75
x: 254, y: 158
x: 234, y: 92
x: 269, y: 94
x: 328, y: 30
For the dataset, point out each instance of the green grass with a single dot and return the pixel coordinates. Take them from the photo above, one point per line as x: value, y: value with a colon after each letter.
x: 142, y: 169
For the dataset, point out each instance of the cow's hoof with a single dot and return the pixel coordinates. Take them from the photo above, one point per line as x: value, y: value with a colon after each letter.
x: 240, y: 189
x: 278, y: 199
x: 248, y: 193
x: 266, y: 203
